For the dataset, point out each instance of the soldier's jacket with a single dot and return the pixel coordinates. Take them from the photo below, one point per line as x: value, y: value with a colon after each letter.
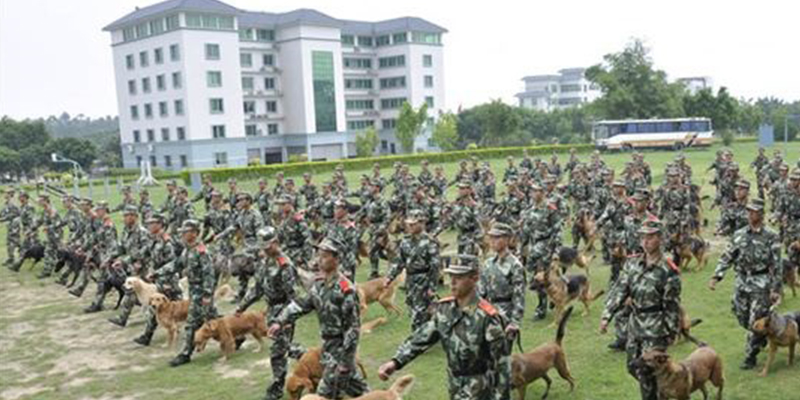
x: 778, y: 190
x: 181, y: 211
x: 503, y: 283
x: 788, y: 209
x: 473, y: 339
x: 540, y: 222
x: 169, y: 204
x: 145, y: 209
x: 215, y: 222
x: 418, y: 255
x: 27, y: 219
x: 247, y: 222
x: 462, y: 175
x: 196, y: 262
x: 571, y: 164
x: 633, y: 239
x: 581, y: 193
x: 673, y: 201
x: 377, y: 214
x: 425, y: 178
x: 53, y: 226
x: 439, y: 185
x: 160, y: 253
x: 90, y: 226
x: 126, y: 201
x: 555, y: 170
x: 309, y: 192
x: 655, y: 295
x: 430, y: 209
x: 10, y: 215
x: 756, y: 258
x: 732, y: 218
x: 204, y: 194
x: 278, y: 191
x: 275, y: 282
x: 364, y: 195
x: 104, y: 239
x: 133, y: 246
x: 773, y: 171
x: 263, y: 203
x: 602, y: 196
x: 464, y: 218
x: 324, y: 207
x: 510, y: 209
x: 294, y: 233
x: 613, y: 218
x: 232, y: 198
x: 336, y: 301
x: 346, y: 232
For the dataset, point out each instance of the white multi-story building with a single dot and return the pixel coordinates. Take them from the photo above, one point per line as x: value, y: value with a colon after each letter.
x: 568, y: 88
x: 201, y: 83
x: 695, y: 84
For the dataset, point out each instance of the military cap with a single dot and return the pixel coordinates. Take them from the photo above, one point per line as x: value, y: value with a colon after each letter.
x: 415, y: 216
x: 261, y: 180
x: 424, y: 162
x: 244, y: 196
x: 231, y: 180
x: 189, y: 225
x: 44, y: 197
x: 364, y: 177
x: 126, y: 188
x: 549, y: 180
x: 672, y: 172
x: 23, y: 194
x: 536, y: 186
x: 651, y: 225
x: 742, y: 183
x: 783, y: 167
x: 267, y: 235
x: 101, y: 205
x: 467, y: 264
x: 639, y: 196
x: 306, y: 174
x: 144, y: 192
x: 756, y: 205
x: 511, y: 181
x: 607, y: 172
x: 501, y: 229
x: 795, y: 175
x: 183, y: 190
x: 330, y: 244
x: 156, y: 218
x: 130, y: 209
x: 279, y: 173
x: 462, y: 162
x: 680, y: 157
x: 283, y: 199
x: 619, y: 183
x: 341, y: 203
x: 734, y: 167
x: 216, y: 193
x: 172, y: 182
x: 87, y: 201
x: 464, y: 185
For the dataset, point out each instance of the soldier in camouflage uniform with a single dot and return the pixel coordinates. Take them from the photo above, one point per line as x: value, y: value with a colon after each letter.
x: 263, y: 201
x: 510, y: 208
x: 279, y: 189
x: 425, y: 177
x: 218, y: 217
x: 131, y: 259
x: 308, y: 190
x: 755, y: 254
x: 734, y: 214
x: 127, y: 200
x: 726, y: 185
x: 196, y: 262
x: 471, y: 331
x: 788, y: 215
x: 54, y: 231
x: 75, y: 221
x: 377, y: 179
x: 294, y: 234
x: 335, y: 299
x: 554, y: 197
x: 182, y: 210
x: 276, y: 282
x: 418, y: 256
x: 464, y: 217
x: 344, y: 231
x: 233, y: 193
x: 511, y: 171
x: 104, y: 246
x: 652, y: 285
x: 10, y: 215
x: 757, y: 166
x: 246, y: 223
x: 439, y: 184
x: 160, y: 269
x: 84, y: 247
x: 377, y: 218
x: 779, y: 187
x: 573, y: 162
x: 28, y: 229
x: 674, y: 209
x: 169, y: 202
x: 554, y: 168
x: 145, y: 206
x: 612, y: 226
x: 205, y: 192
x: 541, y: 236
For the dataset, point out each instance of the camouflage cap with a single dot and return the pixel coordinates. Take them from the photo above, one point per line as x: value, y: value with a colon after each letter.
x: 340, y: 203
x: 536, y: 186
x: 23, y: 194
x: 795, y: 175
x: 619, y: 183
x: 549, y: 180
x: 607, y: 172
x: 415, y: 216
x: 156, y: 218
x: 87, y: 202
x: 101, y: 205
x: 130, y: 210
x: 330, y: 244
x: 231, y: 180
x: 306, y: 174
x: 510, y: 158
x: 464, y: 185
x: 756, y: 205
x: 672, y: 172
x: 284, y: 199
x: 424, y: 162
x: 651, y: 225
x: 244, y: 196
x: 501, y: 229
x: 126, y: 188
x: 734, y: 167
x: 639, y: 196
x: 216, y: 193
x: 172, y: 182
x: 144, y: 192
x: 189, y: 225
x: 183, y: 190
x: 266, y: 235
x: 289, y: 181
x: 44, y: 197
x: 742, y: 183
x: 466, y: 264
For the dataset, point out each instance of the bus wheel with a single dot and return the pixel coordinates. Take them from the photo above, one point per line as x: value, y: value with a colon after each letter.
x: 678, y: 146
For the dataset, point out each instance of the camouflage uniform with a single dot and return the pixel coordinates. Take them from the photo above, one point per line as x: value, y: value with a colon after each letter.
x: 27, y: 223
x: 10, y: 215
x: 541, y: 233
x: 91, y: 225
x: 788, y: 213
x: 205, y: 195
x: 146, y: 209
x: 377, y: 215
x: 54, y: 232
x: 216, y: 220
x: 263, y: 203
x: 345, y: 232
x: 439, y: 185
x: 132, y: 253
x: 612, y: 223
x: 338, y: 311
x: 160, y: 265
x: 295, y: 238
x: 758, y: 165
x: 181, y: 211
x: 246, y: 222
x: 633, y: 244
x: 76, y: 222
x: 756, y: 258
x: 503, y: 284
x: 732, y: 218
x: 104, y: 245
x: 465, y: 220
x: 310, y: 194
x: 425, y: 177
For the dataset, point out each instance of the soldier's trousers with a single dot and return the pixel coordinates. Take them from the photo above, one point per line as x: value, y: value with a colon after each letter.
x: 616, y: 267
x: 106, y: 282
x: 128, y: 302
x: 335, y: 385
x: 197, y: 316
x: 375, y: 253
x: 635, y: 348
x: 539, y: 260
x: 419, y: 299
x: 621, y: 324
x: 12, y: 246
x: 50, y: 258
x: 278, y: 358
x: 244, y: 282
x: 471, y: 387
x: 748, y: 307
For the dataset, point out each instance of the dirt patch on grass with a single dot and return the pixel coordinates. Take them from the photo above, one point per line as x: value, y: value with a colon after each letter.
x: 19, y: 392
x: 84, y: 360
x: 226, y: 371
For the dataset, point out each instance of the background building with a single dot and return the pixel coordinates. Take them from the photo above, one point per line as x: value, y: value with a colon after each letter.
x: 201, y: 83
x: 568, y: 88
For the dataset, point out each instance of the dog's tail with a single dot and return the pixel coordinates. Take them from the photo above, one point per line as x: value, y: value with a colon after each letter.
x: 598, y: 294
x: 368, y: 326
x: 402, y: 385
x: 695, y: 322
x: 562, y: 326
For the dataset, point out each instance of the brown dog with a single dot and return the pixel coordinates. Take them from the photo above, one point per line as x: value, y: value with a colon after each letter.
x: 373, y: 290
x: 692, y: 247
x: 567, y: 257
x: 368, y: 326
x: 307, y: 374
x: 395, y: 392
x: 781, y: 331
x: 680, y: 380
x: 528, y: 367
x: 790, y: 275
x: 586, y: 229
x: 686, y: 325
x: 225, y: 330
x: 143, y: 290
x: 169, y: 314
x: 563, y: 290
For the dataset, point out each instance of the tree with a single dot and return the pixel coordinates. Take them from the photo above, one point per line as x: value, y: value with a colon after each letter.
x: 81, y: 151
x: 499, y: 123
x: 9, y: 161
x: 445, y: 132
x: 632, y: 88
x: 366, y: 142
x: 409, y: 125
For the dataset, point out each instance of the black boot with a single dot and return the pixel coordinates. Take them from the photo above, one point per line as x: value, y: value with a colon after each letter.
x: 15, y: 266
x: 43, y: 275
x: 240, y: 342
x: 748, y: 363
x: 92, y: 308
x: 143, y: 340
x: 119, y: 321
x: 77, y: 291
x: 179, y: 360
x: 541, y: 309
x: 617, y: 345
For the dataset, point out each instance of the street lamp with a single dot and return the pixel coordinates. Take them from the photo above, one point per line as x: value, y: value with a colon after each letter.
x: 76, y: 169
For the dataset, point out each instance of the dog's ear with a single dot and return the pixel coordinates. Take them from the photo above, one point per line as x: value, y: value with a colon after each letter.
x: 661, y: 358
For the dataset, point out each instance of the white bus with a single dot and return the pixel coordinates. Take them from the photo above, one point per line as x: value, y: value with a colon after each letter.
x: 675, y: 133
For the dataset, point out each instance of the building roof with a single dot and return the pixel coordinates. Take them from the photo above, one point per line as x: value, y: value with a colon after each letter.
x: 213, y: 6
x: 533, y: 94
x: 303, y: 15
x: 541, y: 78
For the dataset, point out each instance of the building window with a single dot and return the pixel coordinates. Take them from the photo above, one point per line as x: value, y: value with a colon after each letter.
x: 129, y: 63
x: 212, y: 51
x: 174, y: 52
x: 214, y: 78
x: 249, y: 107
x: 247, y: 83
x: 221, y: 158
x: 358, y: 125
x: 426, y: 37
x: 132, y: 86
x: 167, y: 161
x: 165, y: 134
x: 365, y: 41
x: 151, y: 135
x: 382, y: 40
x: 128, y: 34
x: 359, y: 105
x: 358, y: 83
x: 146, y: 85
x: 156, y: 27
x: 216, y: 106
x: 138, y: 161
x: 137, y: 136
x: 184, y: 161
x: 176, y: 80
x: 161, y: 82
x: 269, y: 83
x: 148, y: 110
x: 218, y: 131
x: 250, y: 130
x: 158, y: 55
x: 392, y: 103
x: 400, y: 38
x: 173, y: 22
x: 429, y: 101
x: 142, y: 30
x: 178, y: 107
x: 246, y: 34
x: 384, y: 145
x: 144, y: 60
x: 272, y: 129
x: 153, y: 161
x: 570, y: 88
x: 268, y: 60
x: 181, y: 133
x: 134, y: 112
x: 388, y: 123
x: 324, y: 90
x: 427, y: 60
x: 428, y: 81
x: 162, y: 109
x: 394, y: 82
x: 348, y: 40
x: 358, y: 63
x: 272, y: 106
x: 246, y: 60
x: 265, y: 35
x: 391, y: 62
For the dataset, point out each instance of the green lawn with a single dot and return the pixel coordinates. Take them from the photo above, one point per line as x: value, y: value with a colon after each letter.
x: 50, y: 350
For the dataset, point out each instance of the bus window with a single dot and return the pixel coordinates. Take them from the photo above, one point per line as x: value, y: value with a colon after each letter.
x: 701, y: 126
x: 686, y: 126
x: 646, y: 127
x: 629, y: 128
x: 663, y: 127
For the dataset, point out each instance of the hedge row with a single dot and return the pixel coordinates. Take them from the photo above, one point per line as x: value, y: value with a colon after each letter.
x: 315, y: 167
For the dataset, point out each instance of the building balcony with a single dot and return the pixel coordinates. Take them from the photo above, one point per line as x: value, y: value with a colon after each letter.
x: 362, y: 113
x: 264, y: 117
x: 267, y: 69
x: 263, y: 93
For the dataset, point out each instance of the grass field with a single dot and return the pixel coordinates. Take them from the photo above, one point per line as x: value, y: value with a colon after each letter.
x: 49, y: 349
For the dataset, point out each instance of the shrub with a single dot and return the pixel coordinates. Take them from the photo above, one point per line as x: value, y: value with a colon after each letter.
x: 727, y: 137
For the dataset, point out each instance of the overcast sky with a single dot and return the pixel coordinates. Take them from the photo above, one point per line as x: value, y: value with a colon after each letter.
x: 54, y: 56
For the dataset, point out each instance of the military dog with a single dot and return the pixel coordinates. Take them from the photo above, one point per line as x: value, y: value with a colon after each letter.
x: 564, y: 289
x: 227, y: 329
x: 690, y: 247
x: 395, y: 392
x: 373, y: 291
x: 781, y: 331
x: 680, y: 380
x: 790, y: 276
x: 307, y: 374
